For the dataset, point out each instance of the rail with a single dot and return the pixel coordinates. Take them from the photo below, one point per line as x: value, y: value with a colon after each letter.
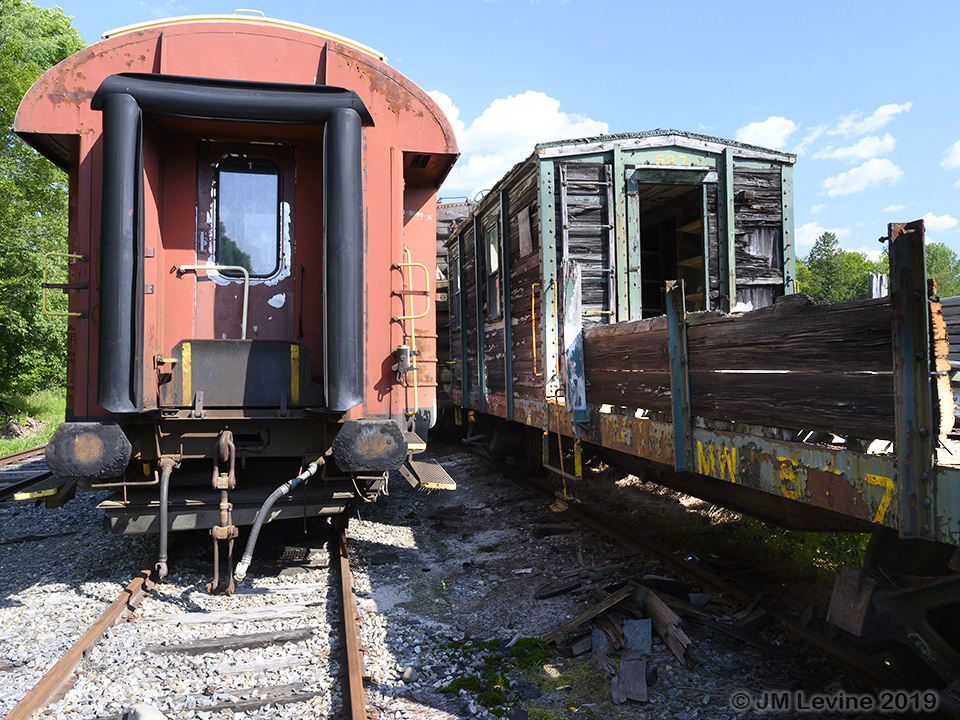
x: 44, y: 692
x: 353, y: 688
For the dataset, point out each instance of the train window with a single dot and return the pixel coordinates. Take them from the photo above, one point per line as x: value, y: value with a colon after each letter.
x: 492, y: 241
x: 455, y: 287
x: 248, y: 215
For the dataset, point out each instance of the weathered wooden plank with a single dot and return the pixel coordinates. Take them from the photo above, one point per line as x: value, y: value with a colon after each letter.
x: 814, y: 339
x: 845, y: 404
x: 268, y: 612
x: 234, y: 642
x: 643, y: 351
x: 631, y: 683
x: 589, y: 614
x: 648, y: 390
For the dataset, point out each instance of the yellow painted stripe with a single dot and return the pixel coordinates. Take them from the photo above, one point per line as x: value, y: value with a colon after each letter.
x: 295, y: 374
x: 187, y: 398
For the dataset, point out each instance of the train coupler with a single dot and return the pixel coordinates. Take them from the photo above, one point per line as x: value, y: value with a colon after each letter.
x: 220, y: 534
x: 226, y: 531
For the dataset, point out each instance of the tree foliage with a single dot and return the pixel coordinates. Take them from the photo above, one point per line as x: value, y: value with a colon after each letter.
x: 943, y: 265
x: 33, y: 202
x: 833, y: 274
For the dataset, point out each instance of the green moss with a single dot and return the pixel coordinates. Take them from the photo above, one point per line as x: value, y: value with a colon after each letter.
x: 491, y: 698
x: 530, y: 653
x: 541, y: 713
x: 470, y: 683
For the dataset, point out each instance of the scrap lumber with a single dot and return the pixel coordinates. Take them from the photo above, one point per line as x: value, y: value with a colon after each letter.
x: 939, y: 354
x: 667, y: 624
x: 631, y: 683
x: 589, y: 614
x: 612, y: 629
x: 752, y: 620
x: 601, y: 663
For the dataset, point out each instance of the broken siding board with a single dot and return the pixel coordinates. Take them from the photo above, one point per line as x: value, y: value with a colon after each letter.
x: 645, y: 390
x: 758, y: 211
x: 713, y: 239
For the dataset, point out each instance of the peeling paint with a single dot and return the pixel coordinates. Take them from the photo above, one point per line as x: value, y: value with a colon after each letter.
x: 278, y: 300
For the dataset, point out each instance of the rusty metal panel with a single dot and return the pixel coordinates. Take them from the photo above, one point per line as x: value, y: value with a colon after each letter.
x: 850, y: 601
x: 679, y: 376
x: 915, y: 431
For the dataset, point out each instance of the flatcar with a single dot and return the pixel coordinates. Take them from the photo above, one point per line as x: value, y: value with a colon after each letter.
x: 251, y: 258
x: 634, y: 296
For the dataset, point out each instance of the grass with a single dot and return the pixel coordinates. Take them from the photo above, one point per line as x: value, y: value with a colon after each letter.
x: 46, y: 407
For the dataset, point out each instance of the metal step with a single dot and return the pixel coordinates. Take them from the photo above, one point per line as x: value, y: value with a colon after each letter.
x: 415, y: 444
x: 427, y: 475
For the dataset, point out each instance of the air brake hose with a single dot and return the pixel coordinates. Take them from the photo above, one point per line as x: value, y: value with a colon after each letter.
x: 241, y: 572
x: 167, y: 465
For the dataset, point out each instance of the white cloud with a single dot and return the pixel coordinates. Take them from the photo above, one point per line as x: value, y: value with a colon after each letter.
x: 808, y: 233
x: 869, y: 147
x: 812, y: 135
x: 870, y: 253
x: 816, y: 208
x: 894, y: 208
x: 957, y: 184
x: 938, y: 223
x: 505, y: 133
x: 872, y: 172
x: 951, y: 158
x: 771, y: 133
x: 855, y: 124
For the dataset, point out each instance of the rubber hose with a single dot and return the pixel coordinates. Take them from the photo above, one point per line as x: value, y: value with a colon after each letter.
x: 166, y: 466
x: 244, y: 564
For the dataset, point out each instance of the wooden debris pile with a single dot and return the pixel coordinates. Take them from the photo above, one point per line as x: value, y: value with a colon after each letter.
x: 623, y: 613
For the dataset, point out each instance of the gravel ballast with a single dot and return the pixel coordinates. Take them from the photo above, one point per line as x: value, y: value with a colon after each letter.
x: 443, y: 583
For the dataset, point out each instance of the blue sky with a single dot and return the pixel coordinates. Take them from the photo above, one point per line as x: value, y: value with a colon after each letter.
x: 867, y: 93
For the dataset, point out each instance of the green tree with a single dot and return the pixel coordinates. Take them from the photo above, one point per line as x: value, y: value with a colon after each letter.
x: 833, y: 274
x: 33, y: 201
x: 943, y: 265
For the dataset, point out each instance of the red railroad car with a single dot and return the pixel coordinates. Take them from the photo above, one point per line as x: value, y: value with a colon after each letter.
x: 252, y: 242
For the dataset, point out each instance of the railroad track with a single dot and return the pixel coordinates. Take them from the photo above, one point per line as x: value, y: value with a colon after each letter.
x: 54, y: 684
x: 20, y: 470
